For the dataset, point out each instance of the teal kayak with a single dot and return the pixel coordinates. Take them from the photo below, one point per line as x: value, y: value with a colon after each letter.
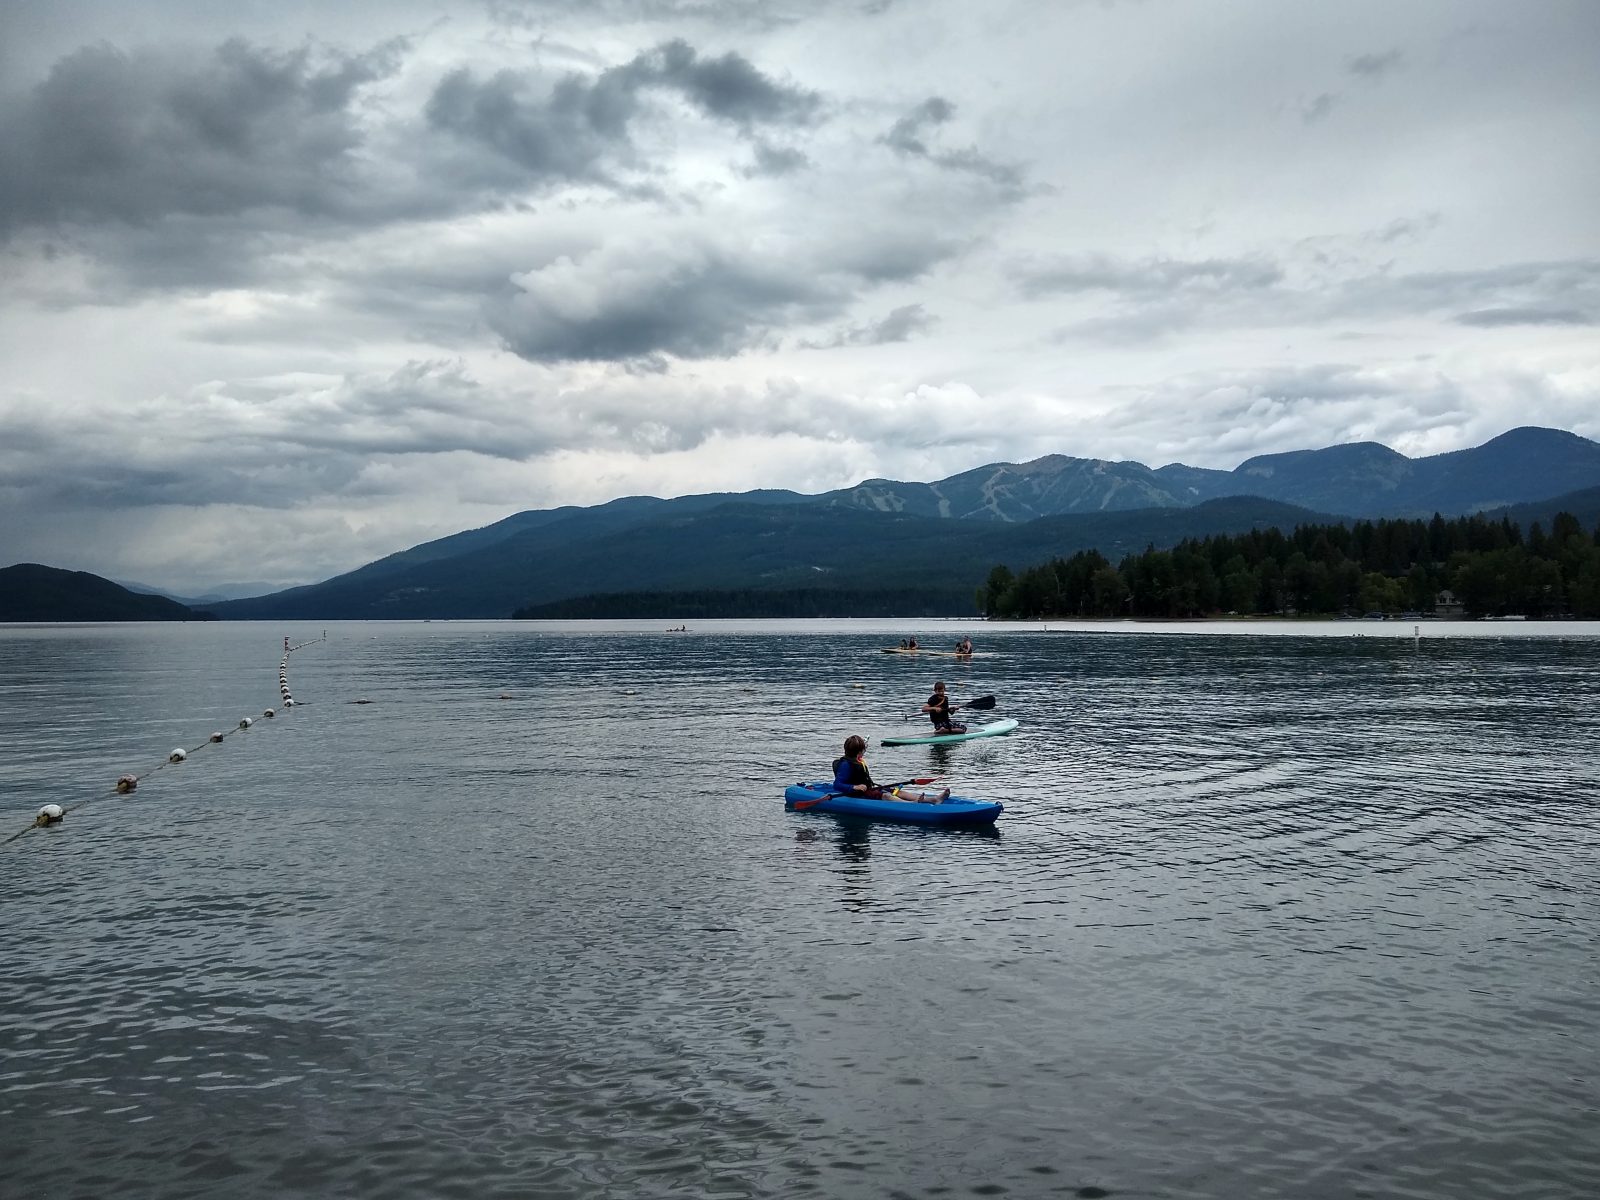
x: 952, y: 810
x: 996, y: 729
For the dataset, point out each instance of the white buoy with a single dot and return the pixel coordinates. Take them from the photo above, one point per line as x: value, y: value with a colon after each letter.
x: 178, y: 754
x: 49, y: 815
x: 269, y: 713
x: 245, y: 722
x: 288, y: 703
x: 127, y: 783
x: 216, y: 737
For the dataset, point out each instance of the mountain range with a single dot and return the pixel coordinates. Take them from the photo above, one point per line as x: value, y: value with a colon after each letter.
x: 885, y: 534
x: 1359, y: 479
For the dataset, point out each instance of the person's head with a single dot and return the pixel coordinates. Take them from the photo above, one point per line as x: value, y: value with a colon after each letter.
x: 854, y: 746
x: 938, y: 688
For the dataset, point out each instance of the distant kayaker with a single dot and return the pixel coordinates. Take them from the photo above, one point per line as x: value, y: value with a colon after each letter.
x: 911, y: 643
x: 964, y: 647
x: 850, y: 775
x: 938, y: 710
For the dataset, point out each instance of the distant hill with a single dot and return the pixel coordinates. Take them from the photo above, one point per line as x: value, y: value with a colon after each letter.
x: 736, y: 545
x: 31, y: 592
x: 1369, y: 480
x: 223, y: 591
x: 1584, y: 505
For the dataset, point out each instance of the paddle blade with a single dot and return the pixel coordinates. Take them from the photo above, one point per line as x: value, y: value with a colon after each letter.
x: 800, y: 805
x: 980, y: 702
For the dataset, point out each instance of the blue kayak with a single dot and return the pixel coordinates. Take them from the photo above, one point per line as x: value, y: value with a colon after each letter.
x: 993, y: 729
x: 953, y: 810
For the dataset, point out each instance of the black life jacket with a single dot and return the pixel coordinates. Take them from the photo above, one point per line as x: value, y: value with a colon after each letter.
x: 858, y: 772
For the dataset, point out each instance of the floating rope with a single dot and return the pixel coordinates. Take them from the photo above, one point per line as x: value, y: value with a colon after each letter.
x: 52, y: 814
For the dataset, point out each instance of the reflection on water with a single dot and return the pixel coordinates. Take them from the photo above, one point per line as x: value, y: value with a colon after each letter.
x: 1265, y: 915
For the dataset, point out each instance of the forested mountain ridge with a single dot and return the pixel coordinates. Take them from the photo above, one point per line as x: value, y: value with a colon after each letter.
x: 645, y: 544
x: 34, y: 592
x: 734, y: 546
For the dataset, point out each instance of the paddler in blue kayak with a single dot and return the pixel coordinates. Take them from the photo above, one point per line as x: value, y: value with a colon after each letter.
x: 850, y: 775
x: 938, y: 710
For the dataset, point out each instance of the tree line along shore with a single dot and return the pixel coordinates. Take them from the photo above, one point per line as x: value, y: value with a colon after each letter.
x: 1470, y: 567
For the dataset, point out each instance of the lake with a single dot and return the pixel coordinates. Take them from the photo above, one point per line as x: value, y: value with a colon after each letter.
x: 1273, y: 910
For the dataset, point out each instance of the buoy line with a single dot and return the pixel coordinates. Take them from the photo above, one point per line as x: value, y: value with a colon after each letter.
x: 52, y: 814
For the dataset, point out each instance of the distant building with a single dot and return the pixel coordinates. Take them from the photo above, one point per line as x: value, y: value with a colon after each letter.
x: 1446, y: 605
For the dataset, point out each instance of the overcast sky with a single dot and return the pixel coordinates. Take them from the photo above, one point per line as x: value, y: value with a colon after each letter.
x: 282, y: 291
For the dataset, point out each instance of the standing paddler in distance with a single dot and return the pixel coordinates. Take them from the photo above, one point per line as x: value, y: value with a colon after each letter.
x: 938, y: 710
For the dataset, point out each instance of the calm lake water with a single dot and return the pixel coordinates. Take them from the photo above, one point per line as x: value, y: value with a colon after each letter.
x: 1267, y: 914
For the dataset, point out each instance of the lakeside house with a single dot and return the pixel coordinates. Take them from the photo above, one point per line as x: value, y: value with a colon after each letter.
x: 1447, y: 607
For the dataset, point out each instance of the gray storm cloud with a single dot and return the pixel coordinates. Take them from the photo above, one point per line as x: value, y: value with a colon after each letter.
x: 631, y: 301
x: 1155, y: 297
x: 572, y: 130
x: 137, y: 136
x: 911, y: 135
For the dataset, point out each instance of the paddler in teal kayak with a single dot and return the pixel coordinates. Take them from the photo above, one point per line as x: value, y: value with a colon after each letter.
x: 851, y: 777
x: 938, y: 710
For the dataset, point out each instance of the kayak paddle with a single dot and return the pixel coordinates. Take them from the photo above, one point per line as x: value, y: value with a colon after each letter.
x: 800, y: 804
